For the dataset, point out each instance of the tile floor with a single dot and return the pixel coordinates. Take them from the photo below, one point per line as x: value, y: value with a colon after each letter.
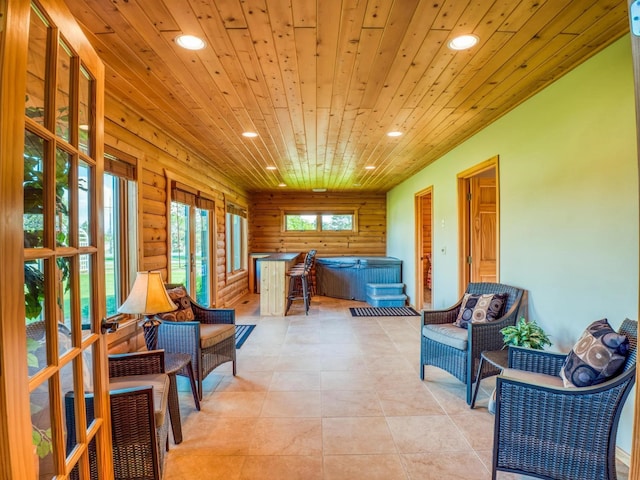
x: 332, y: 397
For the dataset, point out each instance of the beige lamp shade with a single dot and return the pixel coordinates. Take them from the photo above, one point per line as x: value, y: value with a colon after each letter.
x: 148, y: 296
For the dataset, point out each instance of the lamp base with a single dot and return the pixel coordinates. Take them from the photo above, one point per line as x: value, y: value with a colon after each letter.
x: 150, y: 328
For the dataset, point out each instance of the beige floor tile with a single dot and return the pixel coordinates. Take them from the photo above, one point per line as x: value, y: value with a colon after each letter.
x: 287, y: 436
x: 188, y: 466
x: 350, y: 361
x: 477, y: 427
x: 350, y: 403
x: 282, y: 467
x: 433, y: 433
x: 356, y: 435
x: 347, y: 380
x: 294, y: 381
x: 204, y: 434
x: 409, y: 401
x: 291, y: 404
x: 245, y: 381
x: 295, y: 361
x: 463, y: 465
x: 369, y: 467
x: 234, y: 404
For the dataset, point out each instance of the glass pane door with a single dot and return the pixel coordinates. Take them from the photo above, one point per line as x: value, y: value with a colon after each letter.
x: 202, y: 257
x: 180, y: 244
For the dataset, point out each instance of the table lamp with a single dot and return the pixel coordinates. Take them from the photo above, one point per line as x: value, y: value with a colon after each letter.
x: 147, y: 297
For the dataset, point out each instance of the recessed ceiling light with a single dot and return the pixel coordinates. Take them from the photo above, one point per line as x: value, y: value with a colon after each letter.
x: 319, y: 190
x: 369, y: 167
x: 271, y: 167
x: 282, y: 184
x: 463, y: 42
x: 394, y: 133
x: 190, y: 42
x: 249, y: 134
x: 357, y: 184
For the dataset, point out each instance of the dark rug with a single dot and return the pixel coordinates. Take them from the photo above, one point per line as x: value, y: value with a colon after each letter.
x: 242, y: 333
x: 382, y: 312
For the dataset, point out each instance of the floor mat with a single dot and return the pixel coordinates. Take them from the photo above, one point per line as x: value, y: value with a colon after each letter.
x: 242, y: 333
x: 382, y: 312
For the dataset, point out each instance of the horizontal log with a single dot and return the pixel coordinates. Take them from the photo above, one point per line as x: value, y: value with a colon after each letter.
x: 150, y: 220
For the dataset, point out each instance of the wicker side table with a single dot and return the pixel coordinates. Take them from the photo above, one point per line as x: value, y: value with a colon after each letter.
x: 178, y: 363
x: 497, y: 358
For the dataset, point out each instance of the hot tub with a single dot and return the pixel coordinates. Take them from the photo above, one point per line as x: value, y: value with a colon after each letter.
x: 347, y: 277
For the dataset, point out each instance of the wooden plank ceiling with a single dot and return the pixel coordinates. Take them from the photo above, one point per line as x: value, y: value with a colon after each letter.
x: 323, y: 81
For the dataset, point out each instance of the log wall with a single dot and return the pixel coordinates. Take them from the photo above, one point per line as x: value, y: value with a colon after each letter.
x: 266, y: 233
x: 161, y: 159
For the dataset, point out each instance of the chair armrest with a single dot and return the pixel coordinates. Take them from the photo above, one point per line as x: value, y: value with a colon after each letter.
x: 530, y: 390
x: 537, y: 361
x: 214, y: 315
x: 438, y: 317
x: 487, y: 336
x: 137, y: 363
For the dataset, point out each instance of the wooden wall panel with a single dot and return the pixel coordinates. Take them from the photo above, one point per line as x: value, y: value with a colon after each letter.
x: 160, y: 157
x: 265, y: 224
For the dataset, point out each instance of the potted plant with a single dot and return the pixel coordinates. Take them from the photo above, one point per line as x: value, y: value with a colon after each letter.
x: 525, y: 334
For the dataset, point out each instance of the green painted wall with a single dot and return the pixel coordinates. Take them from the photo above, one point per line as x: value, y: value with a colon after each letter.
x: 568, y: 203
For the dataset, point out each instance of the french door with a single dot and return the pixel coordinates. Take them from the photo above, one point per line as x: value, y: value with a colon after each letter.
x: 51, y: 147
x: 191, y: 251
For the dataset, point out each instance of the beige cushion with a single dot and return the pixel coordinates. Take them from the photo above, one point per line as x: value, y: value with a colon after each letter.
x: 532, y: 377
x: 160, y: 384
x: 448, y: 334
x: 212, y: 334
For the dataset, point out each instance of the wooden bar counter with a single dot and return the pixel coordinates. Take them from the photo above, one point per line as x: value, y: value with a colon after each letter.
x: 274, y: 282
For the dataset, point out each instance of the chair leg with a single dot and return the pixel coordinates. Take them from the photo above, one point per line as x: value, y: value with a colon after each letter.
x: 421, y: 371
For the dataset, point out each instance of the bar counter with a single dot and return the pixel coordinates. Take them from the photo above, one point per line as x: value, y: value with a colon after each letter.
x: 274, y: 282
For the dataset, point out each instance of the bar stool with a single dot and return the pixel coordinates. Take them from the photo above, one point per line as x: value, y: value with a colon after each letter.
x: 299, y: 282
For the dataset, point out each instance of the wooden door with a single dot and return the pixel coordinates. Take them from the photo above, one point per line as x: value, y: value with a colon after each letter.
x: 424, y: 248
x: 51, y: 245
x: 483, y: 228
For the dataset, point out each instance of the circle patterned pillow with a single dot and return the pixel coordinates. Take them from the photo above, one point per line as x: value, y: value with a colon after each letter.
x: 476, y: 308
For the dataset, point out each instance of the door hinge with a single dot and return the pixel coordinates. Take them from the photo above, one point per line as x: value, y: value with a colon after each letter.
x: 468, y: 197
x: 469, y: 259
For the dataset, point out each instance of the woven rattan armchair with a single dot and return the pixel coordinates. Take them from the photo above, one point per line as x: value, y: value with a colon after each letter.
x: 209, y: 338
x: 461, y: 356
x: 555, y: 432
x: 139, y: 417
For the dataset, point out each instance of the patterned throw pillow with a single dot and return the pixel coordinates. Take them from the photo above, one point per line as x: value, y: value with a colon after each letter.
x: 184, y: 313
x: 480, y: 308
x: 598, y: 355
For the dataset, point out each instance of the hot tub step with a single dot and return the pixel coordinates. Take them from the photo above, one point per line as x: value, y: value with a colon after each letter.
x: 397, y: 300
x: 385, y: 288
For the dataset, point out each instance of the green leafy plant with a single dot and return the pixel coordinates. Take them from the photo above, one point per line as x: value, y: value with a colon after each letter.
x: 40, y: 437
x: 525, y: 334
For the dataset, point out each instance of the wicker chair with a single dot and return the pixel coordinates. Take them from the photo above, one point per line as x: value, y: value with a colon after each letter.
x: 209, y: 338
x: 139, y: 417
x: 554, y: 432
x: 461, y: 356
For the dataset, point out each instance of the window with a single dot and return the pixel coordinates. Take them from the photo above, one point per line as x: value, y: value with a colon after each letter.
x: 236, y: 237
x: 120, y: 229
x: 192, y: 234
x: 297, y: 221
